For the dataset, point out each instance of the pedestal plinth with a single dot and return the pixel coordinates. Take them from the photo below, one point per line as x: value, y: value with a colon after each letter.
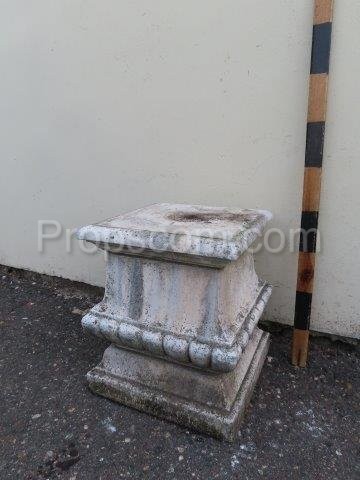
x: 181, y: 307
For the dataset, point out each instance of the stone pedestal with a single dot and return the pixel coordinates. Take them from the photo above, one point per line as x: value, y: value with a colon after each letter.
x: 181, y: 307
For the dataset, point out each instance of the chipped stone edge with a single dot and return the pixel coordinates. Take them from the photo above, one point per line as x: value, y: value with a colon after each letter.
x: 159, y: 243
x: 178, y: 348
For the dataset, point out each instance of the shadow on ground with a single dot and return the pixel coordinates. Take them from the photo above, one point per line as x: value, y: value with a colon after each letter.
x: 301, y: 423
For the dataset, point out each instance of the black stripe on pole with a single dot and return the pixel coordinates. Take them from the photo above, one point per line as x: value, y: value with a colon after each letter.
x: 320, y: 56
x: 315, y: 135
x: 302, y: 310
x: 309, y: 224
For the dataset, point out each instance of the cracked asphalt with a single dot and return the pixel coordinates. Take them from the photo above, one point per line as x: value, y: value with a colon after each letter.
x: 301, y: 423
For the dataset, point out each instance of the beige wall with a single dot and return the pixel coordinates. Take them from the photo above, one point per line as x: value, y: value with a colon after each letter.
x: 110, y: 105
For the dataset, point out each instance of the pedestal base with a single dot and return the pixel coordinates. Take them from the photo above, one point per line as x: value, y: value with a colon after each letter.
x: 212, y: 403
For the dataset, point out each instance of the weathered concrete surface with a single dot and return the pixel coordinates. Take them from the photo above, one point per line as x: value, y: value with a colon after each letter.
x: 189, y: 233
x: 301, y: 423
x: 185, y: 323
x: 198, y: 316
x: 209, y: 403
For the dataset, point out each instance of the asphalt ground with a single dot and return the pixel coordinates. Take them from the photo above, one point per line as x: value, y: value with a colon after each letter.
x: 300, y: 424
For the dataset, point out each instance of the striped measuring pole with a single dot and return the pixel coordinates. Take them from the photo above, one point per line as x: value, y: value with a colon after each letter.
x: 319, y: 74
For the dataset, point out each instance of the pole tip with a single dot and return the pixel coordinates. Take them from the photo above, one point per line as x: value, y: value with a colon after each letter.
x: 300, y: 348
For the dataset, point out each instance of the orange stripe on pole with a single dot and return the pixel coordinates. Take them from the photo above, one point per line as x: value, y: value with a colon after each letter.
x: 323, y: 11
x: 312, y: 187
x: 306, y: 272
x: 317, y: 97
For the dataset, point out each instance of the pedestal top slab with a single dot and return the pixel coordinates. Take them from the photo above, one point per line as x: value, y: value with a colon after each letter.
x: 217, y: 233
